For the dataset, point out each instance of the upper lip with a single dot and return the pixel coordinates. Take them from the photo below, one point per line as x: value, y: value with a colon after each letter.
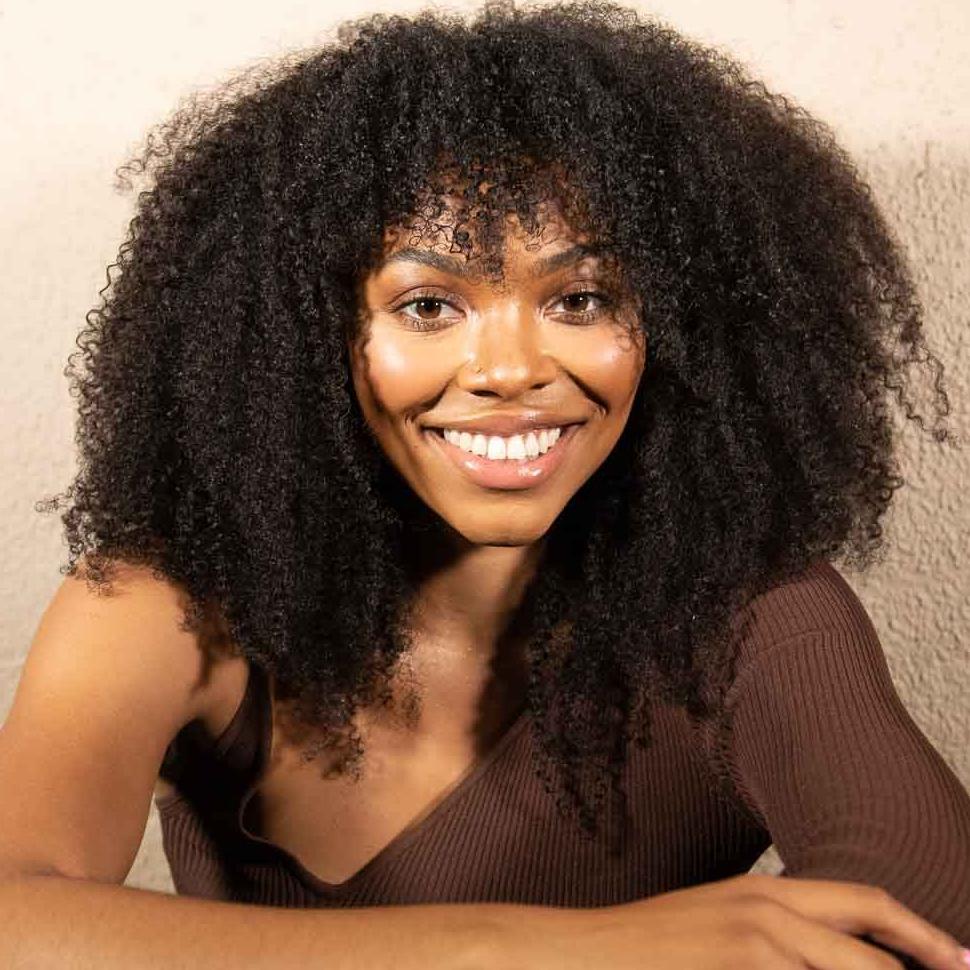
x: 509, y: 424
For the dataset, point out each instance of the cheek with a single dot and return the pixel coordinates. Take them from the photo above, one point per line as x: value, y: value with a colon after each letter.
x: 400, y: 376
x: 607, y: 362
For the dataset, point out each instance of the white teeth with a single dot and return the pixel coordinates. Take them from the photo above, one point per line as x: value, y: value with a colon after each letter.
x: 497, y: 448
x: 515, y: 447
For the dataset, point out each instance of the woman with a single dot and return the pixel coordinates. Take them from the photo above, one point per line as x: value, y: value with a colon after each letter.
x: 474, y: 398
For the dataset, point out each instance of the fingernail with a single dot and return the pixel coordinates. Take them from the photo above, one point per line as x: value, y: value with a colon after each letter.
x: 965, y: 956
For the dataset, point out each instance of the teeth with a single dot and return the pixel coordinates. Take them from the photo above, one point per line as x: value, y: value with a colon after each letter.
x: 496, y: 448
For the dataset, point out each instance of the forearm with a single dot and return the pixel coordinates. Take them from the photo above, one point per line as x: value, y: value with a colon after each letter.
x: 72, y: 924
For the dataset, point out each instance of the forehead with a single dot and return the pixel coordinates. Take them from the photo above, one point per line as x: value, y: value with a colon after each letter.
x: 454, y: 239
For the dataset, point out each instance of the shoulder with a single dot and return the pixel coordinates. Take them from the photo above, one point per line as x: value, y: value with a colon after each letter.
x: 143, y: 615
x: 818, y: 604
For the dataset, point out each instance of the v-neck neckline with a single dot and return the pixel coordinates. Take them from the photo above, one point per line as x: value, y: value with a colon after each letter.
x: 398, y: 842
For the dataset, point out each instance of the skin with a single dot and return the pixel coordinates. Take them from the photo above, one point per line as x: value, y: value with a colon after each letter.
x: 440, y: 345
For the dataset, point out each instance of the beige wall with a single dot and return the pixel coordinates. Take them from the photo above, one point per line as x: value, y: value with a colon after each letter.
x: 80, y: 84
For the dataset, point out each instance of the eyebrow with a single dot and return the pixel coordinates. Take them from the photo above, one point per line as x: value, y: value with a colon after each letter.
x: 457, y: 267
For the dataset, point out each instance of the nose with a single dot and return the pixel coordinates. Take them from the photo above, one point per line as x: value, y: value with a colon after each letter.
x: 505, y: 355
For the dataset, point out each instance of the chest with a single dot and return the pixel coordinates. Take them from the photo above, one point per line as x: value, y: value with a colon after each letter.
x: 336, y: 826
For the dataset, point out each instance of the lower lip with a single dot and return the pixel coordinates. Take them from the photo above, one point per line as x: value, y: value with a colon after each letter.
x: 504, y: 473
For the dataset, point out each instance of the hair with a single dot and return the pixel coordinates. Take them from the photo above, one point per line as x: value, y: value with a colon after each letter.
x: 222, y: 445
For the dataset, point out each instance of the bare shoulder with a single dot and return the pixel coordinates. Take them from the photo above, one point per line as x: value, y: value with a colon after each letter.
x: 109, y: 679
x: 206, y: 657
x: 143, y: 614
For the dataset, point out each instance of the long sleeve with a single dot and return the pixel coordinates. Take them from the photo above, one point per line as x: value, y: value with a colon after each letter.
x: 824, y: 753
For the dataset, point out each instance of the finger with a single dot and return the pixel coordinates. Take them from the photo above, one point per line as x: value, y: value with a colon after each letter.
x: 858, y: 908
x: 808, y: 942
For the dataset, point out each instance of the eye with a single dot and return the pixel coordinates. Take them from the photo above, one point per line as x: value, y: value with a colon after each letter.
x: 581, y: 306
x: 578, y: 304
x: 428, y: 307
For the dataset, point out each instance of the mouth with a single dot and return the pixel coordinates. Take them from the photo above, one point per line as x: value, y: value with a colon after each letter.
x: 506, y: 474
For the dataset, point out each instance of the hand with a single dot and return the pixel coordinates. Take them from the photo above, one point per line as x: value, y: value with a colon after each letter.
x: 754, y: 921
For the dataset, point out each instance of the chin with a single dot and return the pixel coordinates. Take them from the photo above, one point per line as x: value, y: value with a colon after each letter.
x: 501, y: 534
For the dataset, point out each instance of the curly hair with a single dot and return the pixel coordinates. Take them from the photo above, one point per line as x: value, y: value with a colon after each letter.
x: 222, y: 445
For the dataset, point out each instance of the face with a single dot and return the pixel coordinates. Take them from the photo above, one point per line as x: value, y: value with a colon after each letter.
x: 495, y: 401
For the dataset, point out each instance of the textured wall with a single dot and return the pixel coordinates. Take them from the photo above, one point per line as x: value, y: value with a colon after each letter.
x: 81, y: 83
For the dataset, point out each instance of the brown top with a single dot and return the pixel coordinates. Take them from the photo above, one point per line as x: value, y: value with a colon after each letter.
x: 821, y: 758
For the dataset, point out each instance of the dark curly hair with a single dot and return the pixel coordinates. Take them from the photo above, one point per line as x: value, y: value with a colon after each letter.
x: 222, y: 445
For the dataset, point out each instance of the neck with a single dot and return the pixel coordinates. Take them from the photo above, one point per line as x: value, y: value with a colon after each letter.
x: 468, y: 650
x: 469, y: 593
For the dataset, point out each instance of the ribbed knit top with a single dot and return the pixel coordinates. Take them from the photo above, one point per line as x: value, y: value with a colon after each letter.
x: 820, y: 757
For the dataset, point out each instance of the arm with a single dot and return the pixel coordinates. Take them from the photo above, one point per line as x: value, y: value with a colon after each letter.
x: 73, y: 924
x: 824, y: 752
x: 108, y: 681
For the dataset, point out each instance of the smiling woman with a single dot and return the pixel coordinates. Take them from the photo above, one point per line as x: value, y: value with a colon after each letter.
x: 487, y: 401
x: 513, y: 368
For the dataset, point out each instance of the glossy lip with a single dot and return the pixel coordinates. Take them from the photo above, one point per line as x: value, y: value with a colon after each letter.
x: 505, y: 474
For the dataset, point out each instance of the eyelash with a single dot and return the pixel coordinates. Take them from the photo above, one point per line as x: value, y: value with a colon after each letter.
x: 580, y: 317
